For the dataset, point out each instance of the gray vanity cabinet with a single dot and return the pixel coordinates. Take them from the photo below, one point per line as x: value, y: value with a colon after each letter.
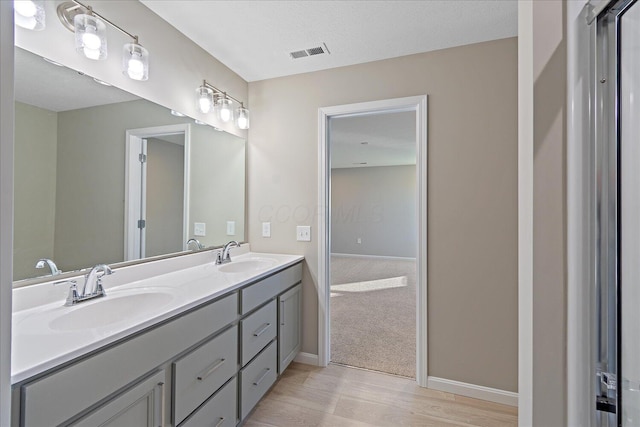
x: 143, y: 405
x: 208, y: 366
x: 289, y: 330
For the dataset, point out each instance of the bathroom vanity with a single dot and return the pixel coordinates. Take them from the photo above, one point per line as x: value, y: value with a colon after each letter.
x: 203, y: 352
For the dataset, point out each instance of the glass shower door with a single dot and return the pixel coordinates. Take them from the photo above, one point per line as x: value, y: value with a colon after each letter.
x: 629, y: 133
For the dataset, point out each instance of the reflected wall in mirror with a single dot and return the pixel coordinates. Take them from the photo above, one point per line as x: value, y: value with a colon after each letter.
x: 70, y: 173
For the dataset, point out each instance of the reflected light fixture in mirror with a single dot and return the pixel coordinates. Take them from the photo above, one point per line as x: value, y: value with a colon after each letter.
x: 29, y: 14
x: 209, y: 97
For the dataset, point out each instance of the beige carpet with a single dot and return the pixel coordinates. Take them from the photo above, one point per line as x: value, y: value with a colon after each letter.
x: 373, y: 314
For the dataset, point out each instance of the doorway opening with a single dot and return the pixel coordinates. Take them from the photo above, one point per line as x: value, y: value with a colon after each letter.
x: 372, y: 236
x: 373, y: 241
x: 156, y: 196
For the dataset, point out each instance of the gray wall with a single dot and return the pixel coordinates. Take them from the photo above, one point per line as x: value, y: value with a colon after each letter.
x: 377, y: 205
x: 218, y: 193
x: 165, y: 197
x: 472, y: 192
x: 90, y: 178
x: 36, y: 132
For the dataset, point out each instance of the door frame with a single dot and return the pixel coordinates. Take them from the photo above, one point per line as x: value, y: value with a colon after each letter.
x: 132, y: 199
x: 417, y: 104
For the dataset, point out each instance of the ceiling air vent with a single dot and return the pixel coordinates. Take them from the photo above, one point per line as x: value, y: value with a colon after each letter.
x: 318, y: 50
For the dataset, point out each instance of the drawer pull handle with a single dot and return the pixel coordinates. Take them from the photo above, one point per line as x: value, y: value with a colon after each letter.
x: 262, y: 377
x: 220, y: 422
x: 262, y: 330
x: 282, y: 313
x: 210, y: 370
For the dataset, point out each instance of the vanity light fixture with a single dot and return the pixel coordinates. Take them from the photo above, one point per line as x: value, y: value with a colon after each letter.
x: 209, y: 97
x: 91, y: 38
x: 29, y: 14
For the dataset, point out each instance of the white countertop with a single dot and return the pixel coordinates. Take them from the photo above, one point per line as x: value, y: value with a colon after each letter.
x: 42, y: 339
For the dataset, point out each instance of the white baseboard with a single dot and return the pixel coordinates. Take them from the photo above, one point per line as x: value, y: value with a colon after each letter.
x: 307, y: 359
x: 339, y: 255
x: 472, y: 390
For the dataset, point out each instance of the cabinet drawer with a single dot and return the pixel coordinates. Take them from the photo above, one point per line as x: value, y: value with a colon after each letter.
x: 219, y: 411
x: 256, y: 378
x: 200, y: 373
x: 70, y: 391
x: 258, y: 330
x: 255, y: 295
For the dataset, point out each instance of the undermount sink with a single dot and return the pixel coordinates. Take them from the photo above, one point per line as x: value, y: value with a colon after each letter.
x: 112, y: 308
x: 247, y: 265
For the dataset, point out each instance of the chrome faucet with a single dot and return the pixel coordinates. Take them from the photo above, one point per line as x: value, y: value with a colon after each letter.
x: 223, y: 256
x: 93, y: 282
x: 197, y: 242
x: 52, y: 265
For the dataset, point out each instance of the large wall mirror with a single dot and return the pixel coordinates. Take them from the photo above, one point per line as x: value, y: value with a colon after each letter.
x: 102, y: 176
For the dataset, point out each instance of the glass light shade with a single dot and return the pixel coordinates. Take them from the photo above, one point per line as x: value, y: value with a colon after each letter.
x: 204, y: 99
x: 91, y: 36
x: 135, y: 61
x: 242, y: 118
x: 224, y: 110
x: 29, y: 14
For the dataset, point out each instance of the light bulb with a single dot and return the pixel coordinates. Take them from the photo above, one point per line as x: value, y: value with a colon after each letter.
x: 242, y: 118
x: 29, y: 14
x: 225, y: 113
x: 91, y: 53
x: 135, y: 61
x: 90, y: 39
x: 204, y: 99
x: 26, y: 8
x: 91, y: 36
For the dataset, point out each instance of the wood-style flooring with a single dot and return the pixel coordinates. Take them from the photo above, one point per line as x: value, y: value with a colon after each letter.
x: 339, y: 396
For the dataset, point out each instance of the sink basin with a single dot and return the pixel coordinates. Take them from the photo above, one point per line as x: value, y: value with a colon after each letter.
x: 250, y: 265
x: 112, y: 308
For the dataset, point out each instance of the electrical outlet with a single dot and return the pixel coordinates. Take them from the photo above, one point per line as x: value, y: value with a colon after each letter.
x: 359, y: 240
x: 199, y: 229
x: 231, y: 228
x: 266, y: 229
x: 303, y: 233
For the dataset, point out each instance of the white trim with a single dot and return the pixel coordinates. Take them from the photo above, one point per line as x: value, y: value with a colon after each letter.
x: 579, y: 341
x: 132, y: 187
x: 475, y: 391
x: 307, y: 359
x: 379, y: 257
x: 525, y: 213
x: 6, y: 205
x: 418, y: 104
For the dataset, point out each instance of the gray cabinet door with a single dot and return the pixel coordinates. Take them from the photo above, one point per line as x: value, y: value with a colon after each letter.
x: 289, y: 312
x: 140, y: 406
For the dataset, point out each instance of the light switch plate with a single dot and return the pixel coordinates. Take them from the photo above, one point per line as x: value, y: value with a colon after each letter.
x: 303, y: 233
x: 199, y: 229
x: 266, y: 229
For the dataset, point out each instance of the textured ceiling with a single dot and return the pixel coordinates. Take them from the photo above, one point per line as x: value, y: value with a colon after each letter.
x: 254, y: 38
